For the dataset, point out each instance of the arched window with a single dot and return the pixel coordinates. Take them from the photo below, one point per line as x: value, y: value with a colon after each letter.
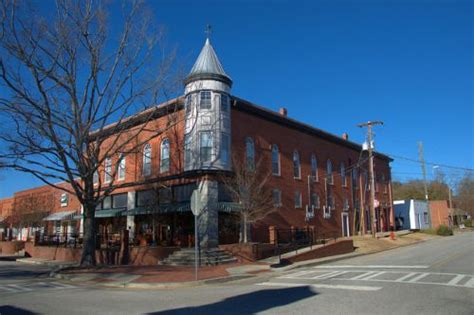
x: 275, y: 160
x: 314, y: 167
x: 146, y: 160
x: 329, y: 176
x: 343, y: 174
x: 250, y: 153
x: 296, y: 165
x: 121, y: 167
x: 108, y: 170
x: 165, y: 156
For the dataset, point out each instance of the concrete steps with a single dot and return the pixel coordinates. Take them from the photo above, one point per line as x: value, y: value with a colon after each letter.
x: 208, y: 257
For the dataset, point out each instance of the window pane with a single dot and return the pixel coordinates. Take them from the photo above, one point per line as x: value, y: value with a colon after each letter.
x: 165, y: 156
x: 206, y: 146
x: 225, y: 148
x: 108, y: 170
x: 119, y: 201
x: 188, y: 104
x: 146, y: 198
x: 107, y: 203
x: 296, y: 165
x: 224, y: 103
x: 121, y: 168
x: 250, y: 153
x: 147, y: 159
x: 275, y: 161
x: 314, y: 167
x: 205, y: 102
x: 187, y: 149
x: 297, y: 199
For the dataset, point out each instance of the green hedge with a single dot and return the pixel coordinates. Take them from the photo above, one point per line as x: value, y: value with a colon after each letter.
x: 468, y: 223
x: 443, y: 230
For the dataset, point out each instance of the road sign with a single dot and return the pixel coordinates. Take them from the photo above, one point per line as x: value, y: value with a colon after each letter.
x: 196, y: 205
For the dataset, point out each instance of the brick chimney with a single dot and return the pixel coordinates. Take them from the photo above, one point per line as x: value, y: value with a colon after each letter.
x: 345, y: 136
x: 283, y: 111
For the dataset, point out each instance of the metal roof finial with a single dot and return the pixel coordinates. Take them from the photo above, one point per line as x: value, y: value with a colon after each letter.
x: 208, y: 32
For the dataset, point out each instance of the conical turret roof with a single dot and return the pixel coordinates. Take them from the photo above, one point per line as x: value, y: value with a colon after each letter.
x: 208, y: 66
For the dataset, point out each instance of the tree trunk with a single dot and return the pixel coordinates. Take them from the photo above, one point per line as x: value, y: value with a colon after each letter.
x: 89, y: 243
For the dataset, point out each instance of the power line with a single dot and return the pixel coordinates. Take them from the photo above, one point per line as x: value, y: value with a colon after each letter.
x: 431, y: 163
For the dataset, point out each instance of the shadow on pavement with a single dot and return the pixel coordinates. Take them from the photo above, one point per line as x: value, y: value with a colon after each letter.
x: 249, y: 303
x: 13, y: 310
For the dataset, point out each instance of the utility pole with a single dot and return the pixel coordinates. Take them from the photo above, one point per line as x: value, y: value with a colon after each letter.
x: 370, y: 148
x: 425, y: 183
x: 450, y: 207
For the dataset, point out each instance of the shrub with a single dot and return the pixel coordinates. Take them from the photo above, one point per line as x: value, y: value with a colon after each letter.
x: 443, y: 230
x: 468, y: 223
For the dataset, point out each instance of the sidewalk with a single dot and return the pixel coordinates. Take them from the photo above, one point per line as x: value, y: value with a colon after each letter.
x: 161, y: 276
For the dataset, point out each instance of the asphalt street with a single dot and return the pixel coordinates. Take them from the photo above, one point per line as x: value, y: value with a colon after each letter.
x: 433, y: 277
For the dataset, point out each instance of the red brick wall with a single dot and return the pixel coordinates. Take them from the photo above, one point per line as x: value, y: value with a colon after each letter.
x: 265, y: 133
x: 332, y: 249
x: 439, y: 213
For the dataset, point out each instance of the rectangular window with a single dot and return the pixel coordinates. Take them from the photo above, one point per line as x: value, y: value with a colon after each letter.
x: 225, y: 123
x: 276, y: 198
x: 331, y: 202
x: 224, y: 103
x: 327, y: 212
x: 315, y: 201
x: 188, y: 104
x: 345, y: 205
x: 107, y: 203
x: 205, y: 100
x: 121, y: 168
x: 164, y: 195
x: 206, y: 146
x: 95, y: 178
x: 225, y: 148
x: 425, y: 217
x: 187, y: 149
x: 108, y: 170
x: 298, y: 201
x: 145, y: 197
x: 183, y: 193
x: 119, y: 201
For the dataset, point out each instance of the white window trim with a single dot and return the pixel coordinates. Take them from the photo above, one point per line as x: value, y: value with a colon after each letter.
x: 121, y: 168
x: 162, y: 169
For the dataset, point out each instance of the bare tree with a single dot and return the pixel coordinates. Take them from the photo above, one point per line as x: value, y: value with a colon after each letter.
x: 29, y: 210
x: 465, y: 194
x: 66, y: 77
x: 248, y: 186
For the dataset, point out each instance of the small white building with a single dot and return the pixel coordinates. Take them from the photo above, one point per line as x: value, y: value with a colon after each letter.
x: 411, y: 214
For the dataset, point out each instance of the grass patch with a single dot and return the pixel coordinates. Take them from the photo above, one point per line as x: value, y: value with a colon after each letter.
x: 442, y: 230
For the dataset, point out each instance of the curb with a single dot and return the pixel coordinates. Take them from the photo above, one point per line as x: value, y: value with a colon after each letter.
x: 330, y: 259
x: 162, y: 285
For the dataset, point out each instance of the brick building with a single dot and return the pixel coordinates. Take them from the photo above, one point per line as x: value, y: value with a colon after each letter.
x: 317, y: 179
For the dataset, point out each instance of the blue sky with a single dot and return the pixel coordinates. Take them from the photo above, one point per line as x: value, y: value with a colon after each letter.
x: 334, y: 64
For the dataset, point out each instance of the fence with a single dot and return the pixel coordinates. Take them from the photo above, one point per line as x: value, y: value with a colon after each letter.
x: 75, y: 240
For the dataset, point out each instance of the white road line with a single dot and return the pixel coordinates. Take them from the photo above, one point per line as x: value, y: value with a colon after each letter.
x: 365, y: 274
x: 419, y: 277
x: 322, y: 286
x: 470, y: 283
x: 297, y: 274
x: 373, y: 266
x: 401, y: 279
x: 19, y: 288
x: 373, y: 276
x: 330, y: 275
x: 455, y: 280
x: 6, y: 288
x: 62, y: 285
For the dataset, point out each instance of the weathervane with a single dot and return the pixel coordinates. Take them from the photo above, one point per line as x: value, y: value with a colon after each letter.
x: 208, y: 30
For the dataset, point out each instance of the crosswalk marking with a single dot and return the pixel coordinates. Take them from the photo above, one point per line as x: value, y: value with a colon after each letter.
x: 34, y: 286
x: 419, y: 277
x: 373, y: 266
x: 365, y: 274
x: 374, y: 275
x: 411, y: 274
x: 393, y: 276
x: 470, y: 283
x: 455, y: 280
x: 330, y: 275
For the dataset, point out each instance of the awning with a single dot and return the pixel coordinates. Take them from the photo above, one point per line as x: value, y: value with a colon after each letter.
x: 106, y: 213
x: 229, y: 206
x: 109, y: 213
x: 160, y: 209
x: 61, y: 216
